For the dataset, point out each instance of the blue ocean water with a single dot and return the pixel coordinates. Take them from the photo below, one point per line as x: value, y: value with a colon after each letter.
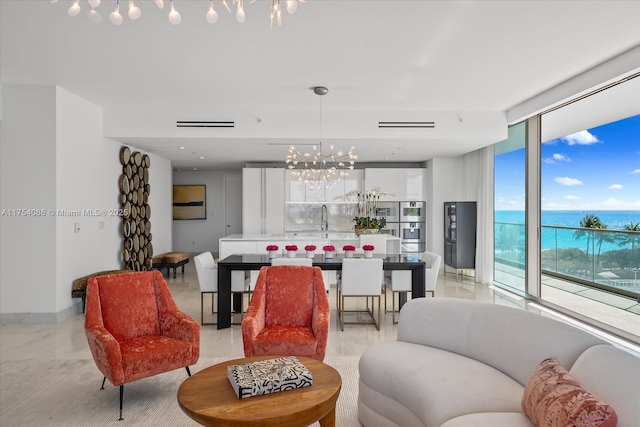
x: 564, y: 238
x: 614, y: 220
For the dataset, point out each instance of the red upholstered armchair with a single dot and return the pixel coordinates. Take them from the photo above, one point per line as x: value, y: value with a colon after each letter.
x: 288, y: 314
x: 135, y: 329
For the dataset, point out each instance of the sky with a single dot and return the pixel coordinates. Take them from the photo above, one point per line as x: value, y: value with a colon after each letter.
x: 595, y: 169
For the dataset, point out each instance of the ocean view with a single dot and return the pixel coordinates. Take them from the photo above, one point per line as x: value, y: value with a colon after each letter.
x: 614, y: 220
x: 552, y: 237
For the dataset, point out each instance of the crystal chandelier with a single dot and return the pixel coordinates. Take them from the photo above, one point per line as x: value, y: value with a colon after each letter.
x: 317, y: 168
x: 174, y: 16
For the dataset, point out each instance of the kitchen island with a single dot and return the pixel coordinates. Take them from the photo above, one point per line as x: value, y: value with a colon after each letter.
x: 257, y: 243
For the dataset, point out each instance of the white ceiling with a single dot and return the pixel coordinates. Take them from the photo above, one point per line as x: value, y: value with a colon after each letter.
x: 462, y: 64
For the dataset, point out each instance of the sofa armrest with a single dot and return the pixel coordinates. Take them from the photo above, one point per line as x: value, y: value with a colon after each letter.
x: 106, y: 353
x: 254, y: 319
x: 180, y: 326
x: 321, y: 314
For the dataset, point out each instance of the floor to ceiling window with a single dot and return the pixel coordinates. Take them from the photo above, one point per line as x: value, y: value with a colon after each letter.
x: 590, y: 206
x: 509, y: 209
x: 589, y: 186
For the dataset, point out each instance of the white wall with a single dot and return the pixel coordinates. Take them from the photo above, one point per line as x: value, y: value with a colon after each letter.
x: 87, y: 171
x: 160, y: 201
x: 27, y: 179
x: 72, y: 167
x: 199, y: 235
x: 443, y: 178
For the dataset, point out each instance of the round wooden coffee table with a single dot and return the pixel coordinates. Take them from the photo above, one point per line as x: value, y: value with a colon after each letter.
x: 208, y: 398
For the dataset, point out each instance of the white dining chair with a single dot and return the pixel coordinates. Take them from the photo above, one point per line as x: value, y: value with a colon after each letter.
x: 378, y: 241
x: 207, y: 273
x: 400, y: 280
x: 360, y: 278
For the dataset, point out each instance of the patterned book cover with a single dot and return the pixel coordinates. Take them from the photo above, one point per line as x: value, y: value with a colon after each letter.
x: 268, y: 376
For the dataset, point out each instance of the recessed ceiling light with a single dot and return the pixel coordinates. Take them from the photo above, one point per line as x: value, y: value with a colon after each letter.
x: 202, y: 157
x: 195, y: 169
x: 181, y: 147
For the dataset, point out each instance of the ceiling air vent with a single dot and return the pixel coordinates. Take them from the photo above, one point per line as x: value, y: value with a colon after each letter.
x: 184, y: 124
x: 406, y: 125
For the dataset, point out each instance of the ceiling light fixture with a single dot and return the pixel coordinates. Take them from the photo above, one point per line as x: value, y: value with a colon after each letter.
x: 316, y: 168
x: 174, y: 16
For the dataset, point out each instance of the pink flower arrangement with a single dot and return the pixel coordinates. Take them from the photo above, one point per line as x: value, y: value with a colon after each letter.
x: 310, y: 248
x: 349, y: 248
x: 272, y: 247
x: 291, y: 247
x: 367, y: 248
x: 329, y: 248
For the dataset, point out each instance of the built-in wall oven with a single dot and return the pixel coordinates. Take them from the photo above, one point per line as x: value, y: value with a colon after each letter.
x: 412, y: 212
x: 389, y: 211
x: 412, y: 236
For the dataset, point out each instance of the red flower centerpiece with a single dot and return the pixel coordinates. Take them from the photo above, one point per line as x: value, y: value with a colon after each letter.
x: 291, y: 250
x: 329, y: 250
x: 368, y: 251
x: 310, y: 250
x: 272, y: 250
x: 348, y: 250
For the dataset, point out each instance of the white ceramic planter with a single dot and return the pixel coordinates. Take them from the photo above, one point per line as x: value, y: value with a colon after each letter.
x: 348, y: 254
x: 368, y: 254
x: 328, y: 254
x: 291, y: 254
x: 311, y: 254
x: 273, y: 254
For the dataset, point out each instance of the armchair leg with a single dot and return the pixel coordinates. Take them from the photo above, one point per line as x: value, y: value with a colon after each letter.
x: 103, y: 380
x: 121, y: 398
x: 188, y: 371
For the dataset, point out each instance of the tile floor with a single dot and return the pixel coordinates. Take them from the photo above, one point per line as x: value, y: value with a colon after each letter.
x: 66, y: 340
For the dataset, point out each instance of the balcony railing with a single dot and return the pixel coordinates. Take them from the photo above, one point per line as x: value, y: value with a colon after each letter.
x: 604, y: 259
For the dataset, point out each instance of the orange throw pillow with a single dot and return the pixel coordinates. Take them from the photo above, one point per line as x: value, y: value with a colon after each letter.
x: 553, y: 398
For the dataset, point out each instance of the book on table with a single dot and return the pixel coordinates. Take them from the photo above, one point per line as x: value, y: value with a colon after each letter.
x: 268, y: 376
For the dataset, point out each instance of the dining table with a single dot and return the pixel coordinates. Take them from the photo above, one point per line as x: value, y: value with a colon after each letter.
x: 245, y: 262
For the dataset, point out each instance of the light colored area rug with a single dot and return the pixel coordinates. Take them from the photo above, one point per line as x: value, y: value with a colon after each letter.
x: 67, y: 393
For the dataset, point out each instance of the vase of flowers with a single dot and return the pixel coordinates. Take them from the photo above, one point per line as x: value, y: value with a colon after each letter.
x: 291, y: 251
x: 348, y: 250
x: 366, y: 207
x: 368, y: 251
x: 272, y: 250
x: 329, y: 250
x: 311, y: 251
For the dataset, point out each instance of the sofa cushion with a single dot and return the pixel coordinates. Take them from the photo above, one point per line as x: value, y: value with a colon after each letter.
x: 435, y: 385
x: 298, y: 340
x: 281, y: 283
x: 482, y: 331
x: 607, y: 372
x: 553, y: 398
x: 491, y: 419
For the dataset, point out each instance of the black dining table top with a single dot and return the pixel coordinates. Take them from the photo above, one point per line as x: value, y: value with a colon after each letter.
x: 390, y: 261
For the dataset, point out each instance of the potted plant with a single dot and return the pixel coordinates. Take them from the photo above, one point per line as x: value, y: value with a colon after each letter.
x: 272, y: 250
x: 366, y: 205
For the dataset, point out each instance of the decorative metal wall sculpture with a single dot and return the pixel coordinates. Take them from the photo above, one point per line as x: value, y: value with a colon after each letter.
x: 137, y: 250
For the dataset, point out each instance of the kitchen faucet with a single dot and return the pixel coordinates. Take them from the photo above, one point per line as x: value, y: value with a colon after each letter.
x: 324, y: 219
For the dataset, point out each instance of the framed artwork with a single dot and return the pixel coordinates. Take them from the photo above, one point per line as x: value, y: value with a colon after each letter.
x: 189, y: 202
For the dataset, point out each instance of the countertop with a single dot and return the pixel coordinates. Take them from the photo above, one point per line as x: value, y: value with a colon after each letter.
x: 329, y: 235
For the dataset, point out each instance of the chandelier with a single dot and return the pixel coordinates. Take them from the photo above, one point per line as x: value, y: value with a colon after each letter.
x: 174, y: 16
x: 317, y: 168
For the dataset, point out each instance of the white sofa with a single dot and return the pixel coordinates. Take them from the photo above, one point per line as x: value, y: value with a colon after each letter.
x: 465, y: 363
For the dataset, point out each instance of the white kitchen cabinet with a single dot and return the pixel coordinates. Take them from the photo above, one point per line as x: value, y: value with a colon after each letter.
x: 274, y: 200
x: 297, y: 191
x: 263, y: 195
x: 252, y: 200
x: 355, y: 181
x: 404, y: 183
